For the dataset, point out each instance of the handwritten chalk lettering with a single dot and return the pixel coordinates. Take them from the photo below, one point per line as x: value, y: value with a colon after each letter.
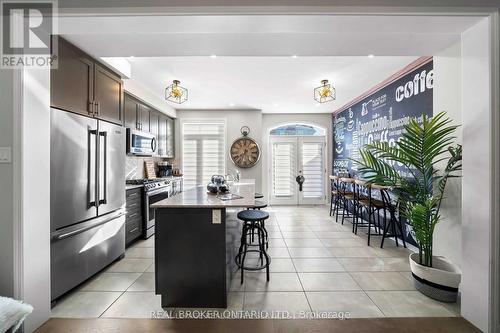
x: 422, y: 81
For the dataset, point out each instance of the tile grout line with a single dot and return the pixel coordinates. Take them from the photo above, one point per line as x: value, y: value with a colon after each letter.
x: 296, y: 272
x: 123, y: 291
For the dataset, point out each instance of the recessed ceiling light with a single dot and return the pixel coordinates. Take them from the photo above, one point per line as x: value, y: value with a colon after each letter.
x: 295, y: 56
x: 317, y: 104
x: 213, y: 56
x: 371, y: 56
x: 231, y: 104
x: 276, y: 104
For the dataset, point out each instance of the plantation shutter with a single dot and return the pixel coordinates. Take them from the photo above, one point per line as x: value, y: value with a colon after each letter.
x: 284, y: 169
x: 312, y: 164
x: 203, y: 151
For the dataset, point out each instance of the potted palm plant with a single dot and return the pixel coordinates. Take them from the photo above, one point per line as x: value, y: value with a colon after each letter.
x: 421, y: 148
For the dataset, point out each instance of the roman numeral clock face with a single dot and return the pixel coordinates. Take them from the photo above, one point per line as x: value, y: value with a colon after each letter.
x: 245, y: 152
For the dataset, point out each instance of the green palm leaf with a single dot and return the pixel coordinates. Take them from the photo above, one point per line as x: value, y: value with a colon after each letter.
x: 419, y: 149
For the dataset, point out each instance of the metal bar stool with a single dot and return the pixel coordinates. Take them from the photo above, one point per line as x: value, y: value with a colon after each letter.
x: 260, y: 205
x: 252, y: 220
x: 395, y: 223
x: 258, y: 195
x: 346, y: 197
x: 334, y: 199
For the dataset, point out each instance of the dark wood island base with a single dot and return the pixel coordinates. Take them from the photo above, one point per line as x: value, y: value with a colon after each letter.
x: 190, y: 252
x: 194, y: 246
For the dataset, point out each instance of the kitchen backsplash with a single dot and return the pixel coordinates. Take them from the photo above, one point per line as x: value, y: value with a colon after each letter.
x: 134, y: 166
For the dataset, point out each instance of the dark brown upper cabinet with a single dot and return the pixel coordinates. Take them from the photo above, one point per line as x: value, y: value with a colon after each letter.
x: 82, y: 85
x: 170, y: 144
x: 154, y: 117
x: 130, y: 107
x: 143, y: 114
x: 72, y: 83
x: 136, y: 113
x: 162, y: 135
x: 108, y: 95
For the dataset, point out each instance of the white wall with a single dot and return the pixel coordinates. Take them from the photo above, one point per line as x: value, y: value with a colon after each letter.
x: 477, y: 176
x: 272, y: 120
x: 447, y: 96
x: 34, y: 219
x: 235, y: 119
x: 6, y: 186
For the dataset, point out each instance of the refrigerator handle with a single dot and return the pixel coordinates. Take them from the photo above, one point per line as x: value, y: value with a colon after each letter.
x: 92, y: 168
x: 104, y: 170
x: 153, y: 144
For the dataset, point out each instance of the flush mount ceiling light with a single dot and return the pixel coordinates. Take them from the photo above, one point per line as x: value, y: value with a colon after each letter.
x: 324, y: 93
x: 175, y: 93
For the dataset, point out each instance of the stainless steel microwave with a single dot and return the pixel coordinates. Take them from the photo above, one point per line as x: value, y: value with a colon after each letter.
x: 140, y: 143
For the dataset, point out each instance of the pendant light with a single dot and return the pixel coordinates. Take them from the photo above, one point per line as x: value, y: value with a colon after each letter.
x: 175, y: 93
x: 325, y: 93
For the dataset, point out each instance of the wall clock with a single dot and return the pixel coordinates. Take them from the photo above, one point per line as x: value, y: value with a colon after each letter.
x: 245, y: 151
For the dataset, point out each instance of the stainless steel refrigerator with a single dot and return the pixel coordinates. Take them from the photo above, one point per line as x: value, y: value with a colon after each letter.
x: 87, y: 197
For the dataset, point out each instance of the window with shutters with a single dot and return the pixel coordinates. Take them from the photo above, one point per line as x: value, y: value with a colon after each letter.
x: 313, y: 169
x: 203, y: 151
x: 284, y: 168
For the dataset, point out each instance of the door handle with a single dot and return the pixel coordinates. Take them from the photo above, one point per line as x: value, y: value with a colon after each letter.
x: 90, y: 108
x: 104, y: 135
x: 92, y: 169
x: 79, y: 231
x: 300, y: 180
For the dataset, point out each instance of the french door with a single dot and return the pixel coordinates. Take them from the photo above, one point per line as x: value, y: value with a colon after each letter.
x: 292, y: 157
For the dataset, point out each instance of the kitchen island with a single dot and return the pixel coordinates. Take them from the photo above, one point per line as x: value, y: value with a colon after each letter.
x: 195, y: 245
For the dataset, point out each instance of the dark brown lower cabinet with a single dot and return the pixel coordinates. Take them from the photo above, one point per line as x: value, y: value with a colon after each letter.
x: 134, y: 214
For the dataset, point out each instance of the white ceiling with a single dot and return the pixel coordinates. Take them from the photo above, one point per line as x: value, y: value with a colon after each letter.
x: 254, y: 68
x: 264, y: 35
x: 271, y: 84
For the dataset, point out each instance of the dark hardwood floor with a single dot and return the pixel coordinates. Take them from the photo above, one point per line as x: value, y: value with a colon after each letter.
x: 400, y: 325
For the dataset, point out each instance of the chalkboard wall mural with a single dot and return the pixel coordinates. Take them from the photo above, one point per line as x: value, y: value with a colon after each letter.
x: 381, y: 116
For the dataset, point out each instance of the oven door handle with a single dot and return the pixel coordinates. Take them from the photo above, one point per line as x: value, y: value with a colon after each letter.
x: 162, y: 190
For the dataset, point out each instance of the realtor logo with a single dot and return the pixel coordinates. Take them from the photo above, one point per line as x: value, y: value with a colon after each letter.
x: 26, y: 33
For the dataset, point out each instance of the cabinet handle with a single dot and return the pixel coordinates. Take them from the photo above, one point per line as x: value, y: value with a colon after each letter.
x: 132, y: 195
x: 135, y: 229
x: 90, y: 108
x: 98, y: 107
x: 133, y: 215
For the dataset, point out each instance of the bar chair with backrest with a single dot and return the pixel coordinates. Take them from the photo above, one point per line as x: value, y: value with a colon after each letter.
x: 334, y: 199
x: 393, y: 225
x: 364, y: 199
x: 346, y: 191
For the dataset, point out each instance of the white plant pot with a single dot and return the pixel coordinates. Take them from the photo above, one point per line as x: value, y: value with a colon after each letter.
x: 440, y: 281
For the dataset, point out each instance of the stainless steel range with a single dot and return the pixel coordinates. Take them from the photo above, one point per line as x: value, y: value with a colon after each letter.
x: 154, y: 191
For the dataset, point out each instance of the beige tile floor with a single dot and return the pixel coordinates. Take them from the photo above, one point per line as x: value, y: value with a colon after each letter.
x: 317, y: 265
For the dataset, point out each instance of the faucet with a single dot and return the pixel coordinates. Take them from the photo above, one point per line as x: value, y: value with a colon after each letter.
x: 238, y: 174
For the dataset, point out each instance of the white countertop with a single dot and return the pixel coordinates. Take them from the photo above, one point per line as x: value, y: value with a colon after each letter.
x: 198, y: 197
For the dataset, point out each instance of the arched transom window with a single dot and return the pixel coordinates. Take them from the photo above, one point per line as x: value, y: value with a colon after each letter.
x: 298, y: 130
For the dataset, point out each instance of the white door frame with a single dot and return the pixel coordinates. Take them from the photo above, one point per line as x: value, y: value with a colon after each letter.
x: 297, y: 140
x: 24, y: 224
